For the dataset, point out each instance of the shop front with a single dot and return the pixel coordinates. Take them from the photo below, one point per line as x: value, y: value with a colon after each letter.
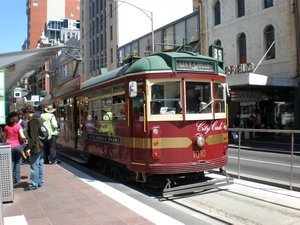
x: 262, y: 101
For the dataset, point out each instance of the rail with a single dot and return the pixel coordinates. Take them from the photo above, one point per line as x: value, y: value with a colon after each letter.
x: 240, y: 131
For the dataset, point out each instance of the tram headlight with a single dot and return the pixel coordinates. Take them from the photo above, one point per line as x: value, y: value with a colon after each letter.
x: 200, y: 141
x: 155, y: 131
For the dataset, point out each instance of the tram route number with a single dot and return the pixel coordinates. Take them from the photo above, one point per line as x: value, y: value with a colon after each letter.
x: 198, y: 154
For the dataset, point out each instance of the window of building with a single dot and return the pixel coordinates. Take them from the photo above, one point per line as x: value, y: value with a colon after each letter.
x: 111, y: 33
x: 269, y: 39
x: 242, y: 46
x: 217, y: 12
x: 192, y: 28
x: 179, y: 33
x: 168, y: 38
x: 94, y: 45
x: 111, y: 10
x: 111, y: 55
x: 90, y: 48
x: 35, y: 3
x: 241, y: 8
x: 97, y: 64
x: 268, y: 3
x: 127, y: 51
x: 135, y: 48
x: 97, y: 44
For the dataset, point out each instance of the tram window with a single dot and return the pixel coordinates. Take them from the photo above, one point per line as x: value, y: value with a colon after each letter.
x: 166, y: 98
x: 138, y: 101
x: 118, y: 108
x: 219, y: 98
x: 106, y: 106
x: 198, y: 97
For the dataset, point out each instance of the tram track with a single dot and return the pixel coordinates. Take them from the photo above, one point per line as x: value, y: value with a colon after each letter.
x: 242, y: 204
x: 222, y: 205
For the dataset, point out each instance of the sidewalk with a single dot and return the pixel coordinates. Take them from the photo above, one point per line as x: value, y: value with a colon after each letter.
x: 69, y: 199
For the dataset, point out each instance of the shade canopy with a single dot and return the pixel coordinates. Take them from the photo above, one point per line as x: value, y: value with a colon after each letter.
x: 247, y: 79
x: 22, y: 64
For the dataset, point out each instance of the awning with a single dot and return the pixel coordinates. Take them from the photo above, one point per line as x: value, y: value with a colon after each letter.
x: 23, y: 63
x: 245, y: 79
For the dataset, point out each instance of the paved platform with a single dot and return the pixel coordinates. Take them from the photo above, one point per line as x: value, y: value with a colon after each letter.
x: 71, y: 197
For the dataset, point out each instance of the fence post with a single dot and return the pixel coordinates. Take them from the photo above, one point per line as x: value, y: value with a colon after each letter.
x: 292, y: 161
x: 239, y: 155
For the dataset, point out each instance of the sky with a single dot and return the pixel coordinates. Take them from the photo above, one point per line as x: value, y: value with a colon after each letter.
x: 133, y: 23
x: 13, y: 23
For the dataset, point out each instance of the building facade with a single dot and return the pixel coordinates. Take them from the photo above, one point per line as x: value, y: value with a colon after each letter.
x: 99, y: 37
x: 40, y: 12
x: 260, y: 54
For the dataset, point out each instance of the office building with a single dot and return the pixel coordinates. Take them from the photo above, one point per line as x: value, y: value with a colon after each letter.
x: 99, y: 37
x: 40, y: 12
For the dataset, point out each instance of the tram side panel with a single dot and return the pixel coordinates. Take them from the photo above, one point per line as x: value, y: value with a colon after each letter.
x: 170, y: 148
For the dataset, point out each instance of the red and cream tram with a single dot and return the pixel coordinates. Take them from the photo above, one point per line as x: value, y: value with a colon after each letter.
x: 162, y: 114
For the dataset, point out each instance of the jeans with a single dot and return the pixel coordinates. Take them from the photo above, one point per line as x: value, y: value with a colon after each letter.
x: 50, y: 149
x: 16, y: 157
x: 37, y: 169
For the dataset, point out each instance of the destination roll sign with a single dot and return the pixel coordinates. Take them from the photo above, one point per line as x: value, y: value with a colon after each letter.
x: 189, y: 65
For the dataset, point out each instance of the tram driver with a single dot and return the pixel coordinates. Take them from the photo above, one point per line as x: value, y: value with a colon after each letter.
x: 192, y: 101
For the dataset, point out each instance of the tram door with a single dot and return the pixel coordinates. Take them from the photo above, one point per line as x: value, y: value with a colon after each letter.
x: 78, y: 120
x: 137, y: 125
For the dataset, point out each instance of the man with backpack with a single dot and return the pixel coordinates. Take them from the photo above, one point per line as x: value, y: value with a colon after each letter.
x: 35, y: 150
x: 50, y: 145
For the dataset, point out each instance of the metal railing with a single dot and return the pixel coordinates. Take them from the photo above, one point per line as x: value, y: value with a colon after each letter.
x: 240, y: 131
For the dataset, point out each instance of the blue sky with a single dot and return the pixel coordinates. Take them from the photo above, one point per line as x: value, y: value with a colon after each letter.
x: 13, y: 20
x: 13, y: 23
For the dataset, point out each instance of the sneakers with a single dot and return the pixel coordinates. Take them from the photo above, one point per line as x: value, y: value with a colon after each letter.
x: 55, y: 162
x: 30, y: 188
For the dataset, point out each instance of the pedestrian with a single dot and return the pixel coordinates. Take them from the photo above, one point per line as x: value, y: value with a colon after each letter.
x: 14, y: 136
x: 23, y: 120
x: 34, y: 150
x: 236, y: 124
x: 251, y: 125
x: 107, y: 114
x: 50, y: 145
x: 89, y: 124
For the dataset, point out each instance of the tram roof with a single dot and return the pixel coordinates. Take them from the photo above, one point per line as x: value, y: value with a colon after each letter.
x: 164, y: 61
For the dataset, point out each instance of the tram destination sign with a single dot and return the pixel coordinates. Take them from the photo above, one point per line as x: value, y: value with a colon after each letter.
x: 199, y: 66
x: 104, y: 138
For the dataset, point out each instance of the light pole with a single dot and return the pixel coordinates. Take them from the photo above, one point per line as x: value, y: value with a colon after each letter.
x: 146, y: 12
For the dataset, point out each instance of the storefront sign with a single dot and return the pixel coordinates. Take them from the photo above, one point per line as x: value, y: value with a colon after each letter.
x: 248, y: 96
x: 241, y: 68
x: 2, y: 96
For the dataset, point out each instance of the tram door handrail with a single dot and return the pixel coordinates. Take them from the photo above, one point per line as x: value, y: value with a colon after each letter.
x: 292, y: 132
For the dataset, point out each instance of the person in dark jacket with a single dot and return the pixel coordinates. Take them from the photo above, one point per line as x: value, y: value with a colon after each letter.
x: 35, y: 150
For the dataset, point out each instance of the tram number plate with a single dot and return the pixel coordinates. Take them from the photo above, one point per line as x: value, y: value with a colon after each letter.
x: 198, y: 154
